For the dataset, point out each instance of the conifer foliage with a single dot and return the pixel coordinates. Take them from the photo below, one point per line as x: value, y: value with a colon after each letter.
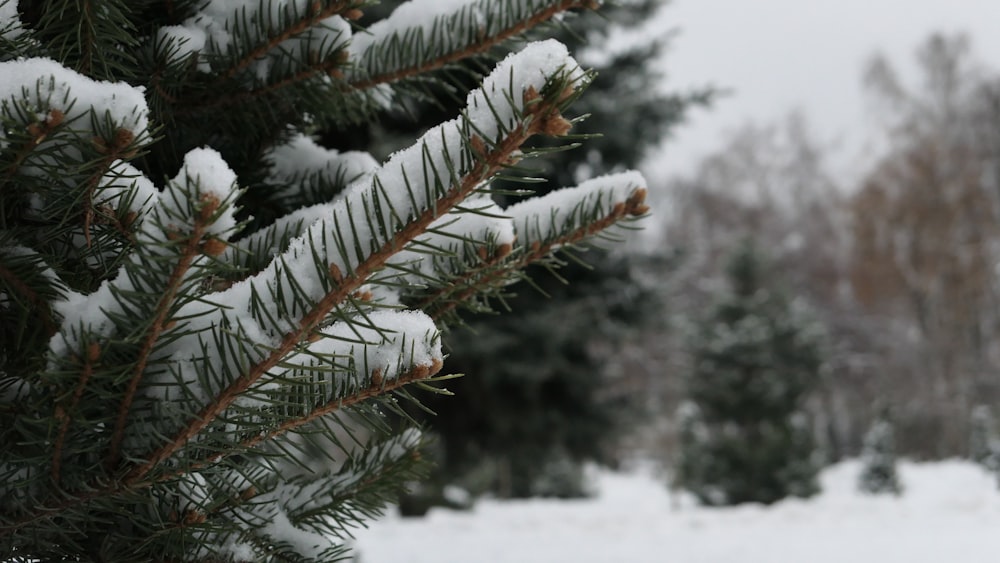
x: 539, y: 399
x: 744, y: 437
x: 983, y: 443
x: 878, y: 459
x: 205, y: 316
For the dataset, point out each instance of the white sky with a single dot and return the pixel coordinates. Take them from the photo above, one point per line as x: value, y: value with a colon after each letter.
x: 779, y: 55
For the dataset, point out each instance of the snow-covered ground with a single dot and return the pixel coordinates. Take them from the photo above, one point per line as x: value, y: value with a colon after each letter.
x: 950, y: 512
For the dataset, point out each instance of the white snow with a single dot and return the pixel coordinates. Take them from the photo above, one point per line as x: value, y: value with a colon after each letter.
x: 544, y: 218
x: 124, y: 184
x: 949, y: 512
x: 210, y: 34
x: 10, y: 23
x: 48, y: 85
x: 394, y: 341
x: 372, y: 210
x: 434, y: 28
x: 301, y: 157
x: 492, y: 110
x: 415, y: 16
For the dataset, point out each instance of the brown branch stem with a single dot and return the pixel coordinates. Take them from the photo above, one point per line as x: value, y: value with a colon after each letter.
x: 191, y: 250
x: 418, y: 373
x: 633, y: 206
x: 18, y: 285
x: 118, y: 147
x: 272, y: 42
x: 64, y: 414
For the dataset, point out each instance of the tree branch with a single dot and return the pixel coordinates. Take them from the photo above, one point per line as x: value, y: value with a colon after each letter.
x: 32, y: 296
x: 64, y: 414
x: 538, y: 115
x: 484, y: 44
x: 377, y: 388
x: 300, y: 26
x: 191, y: 250
x: 38, y: 130
x: 634, y: 206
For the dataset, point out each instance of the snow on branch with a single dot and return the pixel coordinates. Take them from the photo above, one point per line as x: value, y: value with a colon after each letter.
x: 542, y: 225
x: 350, y: 357
x: 374, y: 213
x: 183, y: 229
x: 43, y: 91
x: 302, y: 158
x: 543, y: 221
x: 421, y: 35
x: 237, y: 34
x: 10, y: 22
x: 267, y: 316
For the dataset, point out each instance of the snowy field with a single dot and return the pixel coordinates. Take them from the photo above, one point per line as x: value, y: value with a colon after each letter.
x: 950, y: 512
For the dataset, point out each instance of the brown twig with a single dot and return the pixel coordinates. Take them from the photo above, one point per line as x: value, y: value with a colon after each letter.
x: 418, y: 373
x: 299, y: 27
x: 633, y: 206
x: 64, y: 414
x: 192, y: 248
x: 118, y: 147
x: 22, y: 288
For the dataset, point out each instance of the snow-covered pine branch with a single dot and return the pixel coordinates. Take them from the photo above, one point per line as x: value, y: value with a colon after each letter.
x: 425, y: 35
x: 260, y: 41
x: 192, y: 391
x: 540, y: 226
x: 268, y: 315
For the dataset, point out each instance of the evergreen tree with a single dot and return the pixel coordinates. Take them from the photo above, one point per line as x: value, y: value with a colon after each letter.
x: 983, y: 437
x: 691, y: 434
x: 878, y: 459
x: 755, y: 359
x: 206, y: 316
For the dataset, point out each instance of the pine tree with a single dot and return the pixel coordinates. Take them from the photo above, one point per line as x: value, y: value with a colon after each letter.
x: 206, y: 316
x: 755, y: 359
x: 983, y: 437
x: 878, y: 459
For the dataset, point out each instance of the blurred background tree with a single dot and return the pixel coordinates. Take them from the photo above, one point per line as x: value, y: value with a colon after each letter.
x: 756, y: 357
x: 878, y: 458
x: 926, y: 232
x: 897, y: 260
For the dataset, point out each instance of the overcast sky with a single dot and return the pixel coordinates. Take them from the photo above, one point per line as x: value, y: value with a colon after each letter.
x: 777, y: 55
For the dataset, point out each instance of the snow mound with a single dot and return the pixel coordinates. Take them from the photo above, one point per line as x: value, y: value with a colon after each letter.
x: 949, y: 511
